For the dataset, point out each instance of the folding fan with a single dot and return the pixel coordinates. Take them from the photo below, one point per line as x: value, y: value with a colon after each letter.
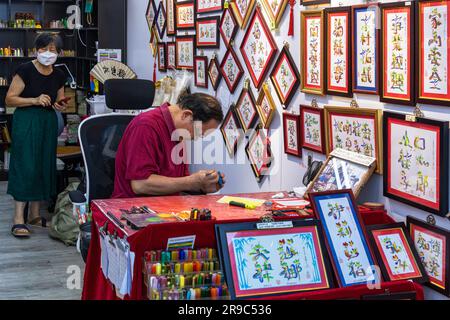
x: 111, y: 69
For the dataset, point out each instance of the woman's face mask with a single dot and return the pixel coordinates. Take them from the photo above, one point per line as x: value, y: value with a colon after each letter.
x: 47, y: 58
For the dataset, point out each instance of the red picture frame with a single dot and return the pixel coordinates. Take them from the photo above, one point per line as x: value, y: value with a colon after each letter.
x: 231, y: 69
x: 423, y: 235
x: 249, y: 49
x: 338, y: 57
x: 162, y: 64
x: 227, y: 34
x: 290, y: 120
x: 285, y: 66
x: 213, y: 6
x: 396, y: 254
x: 190, y: 39
x: 198, y: 69
x: 266, y: 159
x: 214, y: 73
x: 226, y: 130
x: 246, y: 110
x: 397, y: 86
x: 428, y: 49
x: 178, y: 21
x: 212, y: 22
x: 307, y: 125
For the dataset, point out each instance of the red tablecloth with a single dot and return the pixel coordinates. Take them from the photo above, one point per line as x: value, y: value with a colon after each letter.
x: 154, y: 237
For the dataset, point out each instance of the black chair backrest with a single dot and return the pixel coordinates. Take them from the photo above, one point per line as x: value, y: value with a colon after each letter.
x: 129, y: 94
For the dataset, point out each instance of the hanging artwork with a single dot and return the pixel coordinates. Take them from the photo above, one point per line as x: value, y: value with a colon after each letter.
x: 433, y: 52
x: 184, y: 52
x: 231, y: 69
x: 171, y: 55
x: 396, y: 254
x: 338, y: 52
x: 231, y: 131
x: 200, y: 73
x: 263, y: 262
x: 345, y: 236
x: 246, y: 109
x: 258, y: 48
x: 312, y: 130
x: 259, y: 154
x: 275, y: 10
x: 150, y: 14
x: 185, y: 15
x: 228, y: 27
x: 208, y: 6
x: 343, y: 170
x: 170, y: 17
x: 154, y: 40
x: 266, y: 106
x: 292, y: 134
x: 397, y: 62
x: 162, y: 57
x: 313, y: 2
x: 355, y: 129
x: 214, y: 72
x: 432, y: 244
x: 365, y: 48
x: 242, y: 11
x: 207, y: 32
x: 161, y: 20
x: 311, y: 44
x: 416, y: 156
x: 285, y: 77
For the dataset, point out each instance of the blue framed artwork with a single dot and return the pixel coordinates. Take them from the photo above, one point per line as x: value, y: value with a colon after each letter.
x: 365, y: 48
x: 345, y: 237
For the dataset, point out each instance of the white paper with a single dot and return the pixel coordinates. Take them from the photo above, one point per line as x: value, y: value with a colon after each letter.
x: 104, y: 256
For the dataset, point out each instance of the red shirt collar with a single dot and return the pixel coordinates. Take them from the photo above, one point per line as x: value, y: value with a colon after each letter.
x: 167, y: 117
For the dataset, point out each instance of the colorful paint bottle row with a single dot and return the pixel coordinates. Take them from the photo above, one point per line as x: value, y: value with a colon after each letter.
x: 181, y: 267
x: 185, y: 281
x: 180, y: 255
x: 202, y: 293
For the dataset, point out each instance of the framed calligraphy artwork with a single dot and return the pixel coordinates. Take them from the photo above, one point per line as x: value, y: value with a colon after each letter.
x: 338, y: 51
x: 432, y: 244
x: 171, y: 55
x: 231, y: 131
x: 292, y: 134
x: 185, y: 15
x: 365, y: 49
x: 416, y: 156
x: 214, y: 72
x: 259, y: 153
x: 170, y: 18
x: 312, y: 129
x: 154, y: 40
x: 200, y: 71
x: 150, y: 14
x: 161, y: 20
x: 275, y: 10
x: 285, y: 77
x: 266, y: 106
x: 208, y: 6
x: 355, y: 129
x: 397, y: 59
x: 228, y: 27
x: 311, y: 55
x: 396, y: 254
x: 258, y: 48
x: 264, y: 262
x: 433, y: 48
x: 242, y: 11
x: 207, y: 32
x: 184, y: 52
x: 231, y: 69
x: 345, y: 236
x: 162, y: 57
x: 246, y: 109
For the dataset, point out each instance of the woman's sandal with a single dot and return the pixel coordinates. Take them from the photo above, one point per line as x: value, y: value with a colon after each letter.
x: 39, y: 222
x: 20, y: 231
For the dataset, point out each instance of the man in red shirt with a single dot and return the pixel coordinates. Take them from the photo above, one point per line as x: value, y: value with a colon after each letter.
x: 144, y: 163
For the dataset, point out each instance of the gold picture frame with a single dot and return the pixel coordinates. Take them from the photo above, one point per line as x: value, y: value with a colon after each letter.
x: 242, y: 20
x: 265, y: 94
x: 274, y: 18
x: 305, y: 86
x: 359, y: 136
x: 154, y: 41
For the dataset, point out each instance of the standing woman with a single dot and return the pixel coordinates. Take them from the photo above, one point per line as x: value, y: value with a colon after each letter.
x: 36, y: 92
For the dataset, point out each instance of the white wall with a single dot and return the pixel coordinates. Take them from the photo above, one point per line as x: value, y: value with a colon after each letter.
x: 289, y: 170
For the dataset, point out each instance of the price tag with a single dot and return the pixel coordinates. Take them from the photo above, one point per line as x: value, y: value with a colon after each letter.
x: 274, y: 225
x: 410, y: 118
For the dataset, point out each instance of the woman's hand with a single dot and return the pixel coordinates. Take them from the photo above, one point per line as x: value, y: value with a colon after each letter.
x: 43, y: 100
x: 61, y: 106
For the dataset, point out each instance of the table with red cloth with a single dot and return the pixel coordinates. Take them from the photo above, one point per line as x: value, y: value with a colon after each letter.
x: 155, y: 237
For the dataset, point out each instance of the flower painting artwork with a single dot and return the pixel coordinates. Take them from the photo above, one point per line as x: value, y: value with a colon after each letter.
x: 416, y: 158
x: 185, y: 47
x: 242, y: 10
x: 312, y: 130
x: 338, y: 80
x: 200, y: 71
x: 228, y: 27
x: 434, y: 53
x: 259, y: 154
x: 231, y: 131
x: 345, y: 235
x: 207, y: 32
x: 285, y: 77
x: 258, y: 48
x: 291, y: 129
x: 397, y: 27
x: 312, y: 52
x: 246, y: 110
x: 185, y: 15
x: 205, y: 6
x: 365, y: 49
x: 231, y: 69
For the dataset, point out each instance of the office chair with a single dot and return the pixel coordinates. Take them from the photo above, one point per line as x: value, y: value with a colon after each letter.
x: 100, y: 135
